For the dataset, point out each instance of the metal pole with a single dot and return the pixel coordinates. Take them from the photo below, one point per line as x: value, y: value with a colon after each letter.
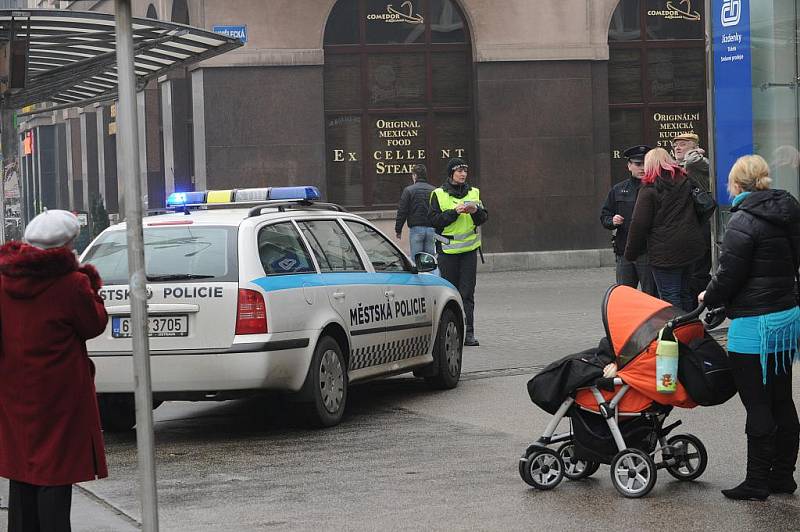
x: 128, y: 146
x: 9, y: 138
x: 711, y: 145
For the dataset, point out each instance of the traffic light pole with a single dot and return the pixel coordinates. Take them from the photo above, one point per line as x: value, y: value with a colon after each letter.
x: 128, y: 150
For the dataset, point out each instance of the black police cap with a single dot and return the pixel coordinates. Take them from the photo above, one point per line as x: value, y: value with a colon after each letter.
x: 636, y: 153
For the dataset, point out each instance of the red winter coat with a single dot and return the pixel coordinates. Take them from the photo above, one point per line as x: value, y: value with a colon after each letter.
x: 49, y: 422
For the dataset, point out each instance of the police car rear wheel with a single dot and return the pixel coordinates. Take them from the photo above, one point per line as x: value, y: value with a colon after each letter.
x: 328, y: 384
x: 447, y: 353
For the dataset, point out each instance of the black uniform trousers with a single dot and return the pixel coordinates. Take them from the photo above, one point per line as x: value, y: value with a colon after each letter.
x: 38, y: 508
x: 460, y: 269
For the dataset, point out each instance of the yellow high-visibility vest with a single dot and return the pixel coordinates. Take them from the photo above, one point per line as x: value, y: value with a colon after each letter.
x: 462, y: 235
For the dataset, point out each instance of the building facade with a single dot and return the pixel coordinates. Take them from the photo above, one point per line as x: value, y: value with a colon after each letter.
x: 539, y: 97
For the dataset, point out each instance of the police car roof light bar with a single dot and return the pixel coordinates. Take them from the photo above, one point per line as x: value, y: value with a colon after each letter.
x: 206, y: 198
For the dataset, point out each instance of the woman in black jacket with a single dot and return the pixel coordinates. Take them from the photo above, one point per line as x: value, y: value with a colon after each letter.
x: 665, y: 225
x: 755, y: 281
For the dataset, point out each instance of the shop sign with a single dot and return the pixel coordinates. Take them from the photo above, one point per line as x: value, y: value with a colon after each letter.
x: 398, y: 154
x: 235, y: 32
x: 733, y: 98
x: 113, y: 110
x: 405, y: 13
x: 676, y: 10
x: 670, y: 125
x: 112, y: 128
x: 399, y: 149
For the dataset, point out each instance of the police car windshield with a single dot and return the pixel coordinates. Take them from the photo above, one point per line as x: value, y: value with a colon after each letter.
x: 171, y: 254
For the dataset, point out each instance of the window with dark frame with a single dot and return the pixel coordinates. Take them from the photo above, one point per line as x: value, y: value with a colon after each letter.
x: 656, y: 75
x: 398, y: 92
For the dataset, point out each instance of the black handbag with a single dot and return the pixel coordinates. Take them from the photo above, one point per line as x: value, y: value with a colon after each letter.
x: 704, y: 371
x: 704, y: 204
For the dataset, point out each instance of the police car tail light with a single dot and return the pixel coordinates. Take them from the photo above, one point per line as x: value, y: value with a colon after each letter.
x: 251, y: 313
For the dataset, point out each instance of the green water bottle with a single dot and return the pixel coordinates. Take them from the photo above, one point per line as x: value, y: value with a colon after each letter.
x: 666, y: 362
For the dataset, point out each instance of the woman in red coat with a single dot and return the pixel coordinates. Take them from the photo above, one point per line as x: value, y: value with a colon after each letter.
x: 50, y: 434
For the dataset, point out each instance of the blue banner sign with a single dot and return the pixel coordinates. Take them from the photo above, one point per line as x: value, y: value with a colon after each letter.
x: 237, y: 32
x: 733, y: 97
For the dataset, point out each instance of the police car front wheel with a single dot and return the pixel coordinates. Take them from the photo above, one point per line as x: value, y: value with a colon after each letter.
x: 447, y: 351
x: 326, y: 384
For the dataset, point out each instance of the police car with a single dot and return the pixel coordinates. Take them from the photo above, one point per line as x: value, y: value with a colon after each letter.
x: 270, y: 290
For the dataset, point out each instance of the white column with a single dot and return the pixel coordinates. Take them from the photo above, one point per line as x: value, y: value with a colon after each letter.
x: 168, y: 135
x: 141, y: 112
x: 199, y: 129
x: 101, y: 152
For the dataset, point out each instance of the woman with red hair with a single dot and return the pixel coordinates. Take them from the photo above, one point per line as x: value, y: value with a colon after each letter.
x: 666, y: 227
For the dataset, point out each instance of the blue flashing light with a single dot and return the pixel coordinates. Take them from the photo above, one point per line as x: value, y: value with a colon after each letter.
x: 178, y: 199
x: 294, y: 193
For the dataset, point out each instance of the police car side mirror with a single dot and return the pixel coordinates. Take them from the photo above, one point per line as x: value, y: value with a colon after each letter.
x: 425, y: 262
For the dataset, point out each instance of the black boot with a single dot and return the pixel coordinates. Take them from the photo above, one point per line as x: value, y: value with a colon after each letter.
x: 781, y: 478
x: 760, y: 452
x: 470, y: 340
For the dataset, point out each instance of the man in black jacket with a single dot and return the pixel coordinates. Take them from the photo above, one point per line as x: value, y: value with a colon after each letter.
x: 456, y: 211
x: 616, y: 216
x: 413, y: 209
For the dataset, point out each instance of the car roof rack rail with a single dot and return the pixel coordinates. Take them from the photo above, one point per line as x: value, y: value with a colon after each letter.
x: 282, y: 205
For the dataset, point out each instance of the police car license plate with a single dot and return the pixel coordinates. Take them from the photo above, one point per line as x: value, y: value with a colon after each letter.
x: 122, y: 326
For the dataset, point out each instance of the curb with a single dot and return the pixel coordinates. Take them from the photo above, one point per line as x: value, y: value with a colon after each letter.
x: 547, y: 260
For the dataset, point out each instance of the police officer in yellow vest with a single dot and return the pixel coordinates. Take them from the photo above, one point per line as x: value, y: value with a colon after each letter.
x: 455, y: 213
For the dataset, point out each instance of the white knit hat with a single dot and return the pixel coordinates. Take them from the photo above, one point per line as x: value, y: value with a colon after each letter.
x: 52, y: 229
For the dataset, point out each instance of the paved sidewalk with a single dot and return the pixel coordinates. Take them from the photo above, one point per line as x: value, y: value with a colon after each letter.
x: 89, y: 515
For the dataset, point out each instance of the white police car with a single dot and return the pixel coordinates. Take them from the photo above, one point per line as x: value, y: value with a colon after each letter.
x: 288, y: 295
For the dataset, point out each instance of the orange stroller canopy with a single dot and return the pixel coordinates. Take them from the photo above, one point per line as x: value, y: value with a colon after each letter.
x: 632, y: 320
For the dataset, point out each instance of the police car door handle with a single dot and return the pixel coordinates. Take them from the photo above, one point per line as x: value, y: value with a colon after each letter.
x: 389, y: 294
x: 338, y: 295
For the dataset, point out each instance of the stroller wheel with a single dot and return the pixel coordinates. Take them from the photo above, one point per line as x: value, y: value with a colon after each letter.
x: 542, y: 469
x: 690, y: 456
x: 633, y: 473
x: 575, y: 468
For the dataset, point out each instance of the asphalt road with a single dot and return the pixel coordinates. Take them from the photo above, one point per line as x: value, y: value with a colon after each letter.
x: 408, y: 458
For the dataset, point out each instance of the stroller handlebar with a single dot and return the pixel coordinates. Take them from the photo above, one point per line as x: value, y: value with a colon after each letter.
x: 712, y: 318
x: 693, y: 315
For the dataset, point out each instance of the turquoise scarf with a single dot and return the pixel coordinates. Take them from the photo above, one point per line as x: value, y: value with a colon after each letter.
x: 779, y: 331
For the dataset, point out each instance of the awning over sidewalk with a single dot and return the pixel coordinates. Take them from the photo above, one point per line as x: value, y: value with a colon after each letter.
x: 71, y: 54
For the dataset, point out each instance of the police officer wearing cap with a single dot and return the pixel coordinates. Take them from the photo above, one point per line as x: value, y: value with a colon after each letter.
x: 455, y: 213
x: 616, y: 216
